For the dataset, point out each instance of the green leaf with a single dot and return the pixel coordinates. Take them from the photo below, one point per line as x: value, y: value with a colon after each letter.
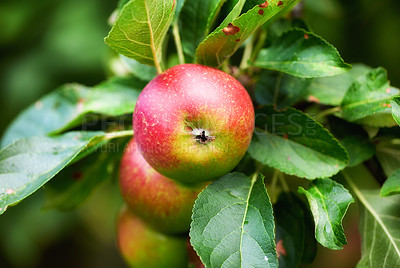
x: 368, y: 99
x: 289, y: 237
x: 329, y: 202
x: 281, y: 88
x: 29, y: 163
x: 233, y: 225
x: 293, y: 142
x: 75, y: 183
x: 379, y: 228
x: 395, y: 103
x: 354, y: 139
x: 303, y: 54
x: 388, y: 153
x: 392, y: 184
x: 67, y: 106
x: 196, y: 20
x: 140, y: 29
x: 139, y: 70
x: 226, y: 39
x: 331, y: 90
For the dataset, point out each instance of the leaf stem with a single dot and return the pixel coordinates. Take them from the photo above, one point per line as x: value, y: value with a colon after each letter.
x: 273, y: 185
x: 248, y: 49
x: 327, y: 112
x: 118, y: 134
x: 277, y: 88
x: 283, y: 182
x: 259, y: 44
x: 178, y: 43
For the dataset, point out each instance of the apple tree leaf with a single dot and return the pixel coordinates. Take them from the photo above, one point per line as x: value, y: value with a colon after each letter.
x: 140, y: 29
x: 329, y: 202
x: 301, y: 53
x: 395, y: 103
x: 67, y: 106
x: 367, y: 101
x: 392, y: 184
x: 282, y: 89
x: 76, y: 182
x: 230, y: 35
x: 293, y: 142
x: 388, y: 153
x: 379, y: 228
x: 233, y: 225
x: 29, y: 163
x: 331, y: 90
x: 195, y: 20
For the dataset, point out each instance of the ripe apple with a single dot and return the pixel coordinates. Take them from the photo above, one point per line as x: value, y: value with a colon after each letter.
x: 162, y: 202
x: 141, y: 246
x: 193, y: 123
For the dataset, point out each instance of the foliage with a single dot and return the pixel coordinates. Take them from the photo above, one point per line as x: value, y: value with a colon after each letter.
x: 316, y: 119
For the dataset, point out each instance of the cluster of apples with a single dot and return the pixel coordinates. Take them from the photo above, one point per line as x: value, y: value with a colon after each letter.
x: 192, y: 124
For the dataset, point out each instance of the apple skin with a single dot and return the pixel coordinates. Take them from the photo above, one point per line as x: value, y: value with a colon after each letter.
x: 173, y: 110
x: 162, y: 202
x: 141, y: 246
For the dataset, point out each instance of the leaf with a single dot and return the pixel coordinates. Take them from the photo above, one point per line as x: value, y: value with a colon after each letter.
x: 233, y: 225
x: 329, y: 202
x: 285, y: 88
x: 331, y: 90
x: 66, y: 107
x: 379, y: 228
x: 29, y: 163
x: 303, y: 54
x: 226, y: 39
x: 293, y: 142
x: 75, y: 183
x: 395, y: 103
x: 196, y: 19
x: 354, y: 139
x: 388, y: 153
x: 140, y: 29
x: 392, y: 184
x: 369, y: 96
x: 139, y: 70
x: 289, y: 237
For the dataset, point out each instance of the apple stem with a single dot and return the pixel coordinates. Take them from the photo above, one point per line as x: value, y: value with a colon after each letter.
x: 178, y: 43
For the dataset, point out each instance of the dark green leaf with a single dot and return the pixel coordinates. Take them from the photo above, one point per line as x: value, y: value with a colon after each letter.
x: 392, y: 184
x: 233, y: 225
x: 66, y: 107
x: 230, y: 35
x: 395, y: 103
x: 140, y: 29
x: 293, y: 142
x: 388, y: 153
x: 331, y: 90
x: 354, y: 139
x: 379, y: 228
x: 303, y: 54
x: 196, y: 20
x: 29, y: 163
x: 75, y: 183
x: 289, y: 237
x: 329, y: 202
x: 283, y: 89
x: 368, y: 99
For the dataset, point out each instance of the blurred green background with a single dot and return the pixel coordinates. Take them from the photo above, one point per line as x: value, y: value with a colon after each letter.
x: 47, y: 43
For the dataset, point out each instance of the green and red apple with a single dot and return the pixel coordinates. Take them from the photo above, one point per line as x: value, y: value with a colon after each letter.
x: 162, y: 202
x: 193, y: 123
x: 143, y: 247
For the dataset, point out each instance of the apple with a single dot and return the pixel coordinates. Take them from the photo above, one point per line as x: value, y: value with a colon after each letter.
x: 162, y: 202
x: 193, y: 123
x: 141, y: 246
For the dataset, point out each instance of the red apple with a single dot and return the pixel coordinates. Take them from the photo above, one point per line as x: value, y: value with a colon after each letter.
x: 162, y: 202
x: 193, y: 123
x: 143, y: 247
